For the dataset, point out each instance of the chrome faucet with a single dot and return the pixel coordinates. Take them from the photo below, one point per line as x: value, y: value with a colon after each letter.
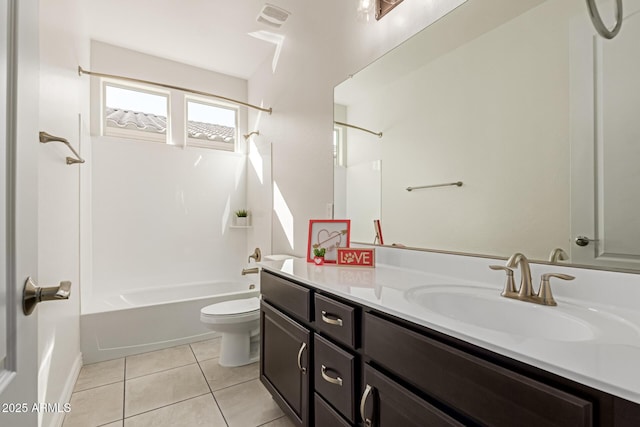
x: 526, y: 288
x: 254, y: 270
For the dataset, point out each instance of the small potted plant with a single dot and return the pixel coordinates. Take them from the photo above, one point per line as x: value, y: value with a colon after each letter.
x: 241, y: 217
x: 318, y: 255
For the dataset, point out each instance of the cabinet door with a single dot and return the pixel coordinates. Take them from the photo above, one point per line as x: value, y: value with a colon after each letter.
x: 385, y: 403
x: 284, y: 362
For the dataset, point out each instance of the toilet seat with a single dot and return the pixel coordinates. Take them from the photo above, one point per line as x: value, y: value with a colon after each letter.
x: 231, y: 311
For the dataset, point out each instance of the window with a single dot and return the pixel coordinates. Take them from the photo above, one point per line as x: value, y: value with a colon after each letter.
x: 211, y: 124
x: 134, y: 112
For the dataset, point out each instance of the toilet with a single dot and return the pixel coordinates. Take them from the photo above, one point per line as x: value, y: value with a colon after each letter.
x: 238, y: 321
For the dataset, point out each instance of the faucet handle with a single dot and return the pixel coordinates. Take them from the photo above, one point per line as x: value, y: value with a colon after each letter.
x: 544, y: 293
x: 509, y: 285
x: 256, y: 256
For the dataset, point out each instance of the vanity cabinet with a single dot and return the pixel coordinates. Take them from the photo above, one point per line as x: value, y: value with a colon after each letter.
x: 477, y: 389
x: 285, y: 346
x: 386, y: 403
x: 284, y: 362
x: 329, y: 361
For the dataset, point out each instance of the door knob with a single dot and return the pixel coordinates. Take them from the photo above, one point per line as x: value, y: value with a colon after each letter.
x: 34, y: 294
x: 584, y: 241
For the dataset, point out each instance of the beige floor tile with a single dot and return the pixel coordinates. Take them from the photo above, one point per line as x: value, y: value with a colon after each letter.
x: 102, y: 373
x: 280, y: 422
x: 197, y: 412
x: 247, y: 404
x: 156, y: 361
x: 163, y: 388
x: 116, y: 424
x: 205, y: 350
x: 96, y: 406
x: 220, y: 377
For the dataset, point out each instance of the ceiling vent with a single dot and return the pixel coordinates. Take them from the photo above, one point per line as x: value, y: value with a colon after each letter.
x: 272, y: 16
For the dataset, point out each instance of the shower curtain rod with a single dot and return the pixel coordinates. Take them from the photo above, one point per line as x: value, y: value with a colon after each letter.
x: 82, y: 71
x: 378, y: 134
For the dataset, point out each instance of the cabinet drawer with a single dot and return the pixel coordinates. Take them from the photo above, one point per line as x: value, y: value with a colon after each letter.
x: 485, y: 392
x: 289, y: 297
x: 325, y: 415
x: 397, y: 406
x: 333, y: 374
x: 335, y: 319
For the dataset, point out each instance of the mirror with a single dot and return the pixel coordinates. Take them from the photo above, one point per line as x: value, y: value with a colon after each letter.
x: 525, y: 105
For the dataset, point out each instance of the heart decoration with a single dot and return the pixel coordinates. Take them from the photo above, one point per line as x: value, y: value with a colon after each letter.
x: 329, y: 240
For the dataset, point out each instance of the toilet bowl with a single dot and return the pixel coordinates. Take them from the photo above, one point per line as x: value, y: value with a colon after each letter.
x: 238, y: 321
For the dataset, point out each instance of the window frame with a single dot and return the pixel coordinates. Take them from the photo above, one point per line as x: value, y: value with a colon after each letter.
x: 211, y: 102
x: 111, y: 131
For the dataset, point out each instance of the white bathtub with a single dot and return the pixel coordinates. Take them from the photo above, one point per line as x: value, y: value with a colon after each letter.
x: 113, y: 326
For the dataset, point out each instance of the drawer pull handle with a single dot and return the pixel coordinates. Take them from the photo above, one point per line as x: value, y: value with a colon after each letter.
x: 331, y: 319
x: 327, y: 378
x: 300, y: 367
x: 363, y: 401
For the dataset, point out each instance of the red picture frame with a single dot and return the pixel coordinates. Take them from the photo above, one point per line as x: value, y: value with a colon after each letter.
x: 378, y: 229
x: 329, y: 234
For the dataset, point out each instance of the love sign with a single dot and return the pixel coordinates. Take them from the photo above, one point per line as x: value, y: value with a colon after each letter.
x: 357, y: 257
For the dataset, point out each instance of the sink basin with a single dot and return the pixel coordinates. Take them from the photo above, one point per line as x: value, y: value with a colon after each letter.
x: 485, y: 308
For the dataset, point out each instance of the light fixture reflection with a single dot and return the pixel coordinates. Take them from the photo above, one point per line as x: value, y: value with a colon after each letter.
x: 365, y: 10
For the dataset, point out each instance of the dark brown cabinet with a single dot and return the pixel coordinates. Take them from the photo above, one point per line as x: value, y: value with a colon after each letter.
x: 328, y: 361
x: 284, y: 362
x: 387, y: 404
x: 334, y: 376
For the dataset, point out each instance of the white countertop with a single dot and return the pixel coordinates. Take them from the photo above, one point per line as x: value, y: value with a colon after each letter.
x: 606, y: 361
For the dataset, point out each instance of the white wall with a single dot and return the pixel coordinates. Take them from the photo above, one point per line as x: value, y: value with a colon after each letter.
x: 323, y: 46
x: 63, y: 97
x: 161, y: 213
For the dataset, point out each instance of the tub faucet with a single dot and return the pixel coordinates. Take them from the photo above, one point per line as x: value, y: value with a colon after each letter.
x: 256, y: 256
x: 254, y: 270
x: 526, y: 288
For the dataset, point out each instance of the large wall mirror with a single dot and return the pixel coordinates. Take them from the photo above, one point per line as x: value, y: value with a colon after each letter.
x: 522, y: 102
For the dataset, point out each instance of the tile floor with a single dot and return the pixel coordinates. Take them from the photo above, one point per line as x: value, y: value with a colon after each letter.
x: 174, y: 387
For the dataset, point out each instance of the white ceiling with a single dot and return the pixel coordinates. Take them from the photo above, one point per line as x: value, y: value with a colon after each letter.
x: 210, y: 34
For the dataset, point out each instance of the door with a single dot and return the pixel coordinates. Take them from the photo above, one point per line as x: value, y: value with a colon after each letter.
x: 18, y: 209
x: 605, y: 178
x: 284, y: 362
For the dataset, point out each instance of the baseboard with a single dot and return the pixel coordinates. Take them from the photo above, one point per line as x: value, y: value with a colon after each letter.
x: 67, y: 391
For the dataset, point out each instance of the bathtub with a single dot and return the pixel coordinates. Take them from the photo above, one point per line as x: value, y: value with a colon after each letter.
x: 113, y: 326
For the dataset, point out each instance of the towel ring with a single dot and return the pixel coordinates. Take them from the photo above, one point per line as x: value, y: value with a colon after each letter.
x: 599, y: 24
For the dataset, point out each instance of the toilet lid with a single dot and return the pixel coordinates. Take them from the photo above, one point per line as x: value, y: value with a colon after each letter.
x: 235, y: 306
